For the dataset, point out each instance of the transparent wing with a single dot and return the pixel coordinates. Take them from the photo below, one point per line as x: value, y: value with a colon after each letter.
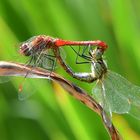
x: 100, y: 96
x: 26, y: 89
x: 122, y: 96
x: 48, y: 63
x: 117, y: 91
x: 30, y: 86
x: 4, y: 79
x: 48, y: 59
x: 62, y: 53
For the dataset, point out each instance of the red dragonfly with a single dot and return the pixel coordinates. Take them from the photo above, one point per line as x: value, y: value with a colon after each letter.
x: 39, y: 44
x: 43, y: 51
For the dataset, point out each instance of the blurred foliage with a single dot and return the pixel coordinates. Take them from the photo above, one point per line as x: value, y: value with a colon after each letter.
x: 51, y: 114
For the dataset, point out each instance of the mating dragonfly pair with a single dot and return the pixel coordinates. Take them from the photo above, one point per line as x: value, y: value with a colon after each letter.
x: 113, y: 92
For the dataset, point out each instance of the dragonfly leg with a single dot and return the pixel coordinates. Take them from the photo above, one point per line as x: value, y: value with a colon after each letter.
x: 52, y: 59
x: 82, y: 56
x: 28, y: 62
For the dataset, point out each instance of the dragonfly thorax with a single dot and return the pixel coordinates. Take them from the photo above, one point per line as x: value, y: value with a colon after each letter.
x: 98, y: 68
x: 35, y: 45
x: 98, y: 65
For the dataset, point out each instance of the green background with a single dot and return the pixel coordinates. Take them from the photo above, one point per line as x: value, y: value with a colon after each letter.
x: 51, y: 114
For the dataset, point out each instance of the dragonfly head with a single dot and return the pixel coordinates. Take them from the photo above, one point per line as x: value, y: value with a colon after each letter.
x: 96, y: 54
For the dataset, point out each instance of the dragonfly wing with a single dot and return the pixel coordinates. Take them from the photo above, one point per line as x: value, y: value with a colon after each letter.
x: 4, y: 79
x: 135, y: 111
x: 134, y: 99
x: 123, y: 96
x: 62, y: 53
x: 26, y: 89
x: 115, y: 88
x: 47, y: 60
x: 100, y: 96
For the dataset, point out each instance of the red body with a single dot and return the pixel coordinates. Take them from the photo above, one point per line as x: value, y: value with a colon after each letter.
x: 42, y: 42
x: 101, y: 44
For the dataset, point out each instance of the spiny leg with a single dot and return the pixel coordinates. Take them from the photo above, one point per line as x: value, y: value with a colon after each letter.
x: 52, y: 59
x: 81, y: 55
x: 88, y: 58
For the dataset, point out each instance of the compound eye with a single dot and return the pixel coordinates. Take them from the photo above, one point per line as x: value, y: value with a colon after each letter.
x: 99, y: 54
x: 24, y: 49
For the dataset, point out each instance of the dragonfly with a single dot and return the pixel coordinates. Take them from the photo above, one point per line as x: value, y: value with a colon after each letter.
x: 42, y: 50
x: 112, y: 91
x: 39, y: 48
